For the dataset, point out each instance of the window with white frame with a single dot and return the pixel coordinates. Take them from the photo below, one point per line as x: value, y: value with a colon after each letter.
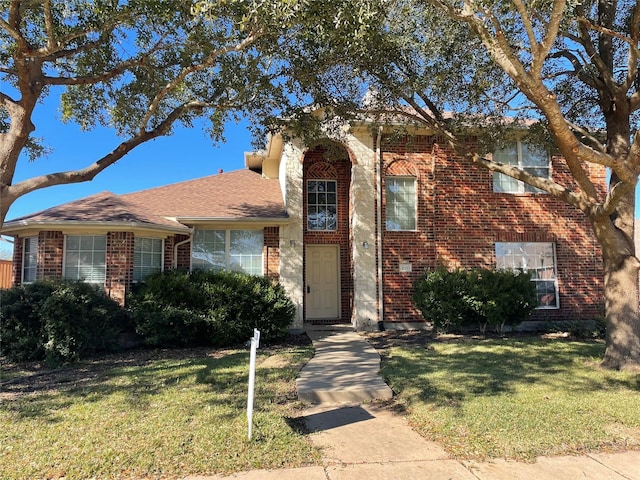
x: 537, y: 258
x: 322, y: 205
x: 85, y: 258
x: 530, y: 158
x: 29, y: 259
x: 237, y: 250
x: 147, y: 257
x: 400, y: 203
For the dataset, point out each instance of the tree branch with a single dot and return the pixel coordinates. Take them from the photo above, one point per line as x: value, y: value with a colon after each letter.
x: 88, y: 173
x: 210, y: 60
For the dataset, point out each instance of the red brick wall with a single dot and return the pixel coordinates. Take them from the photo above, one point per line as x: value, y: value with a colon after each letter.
x: 316, y: 166
x: 460, y: 218
x: 119, y: 275
x: 50, y: 254
x: 184, y: 253
x: 271, y: 253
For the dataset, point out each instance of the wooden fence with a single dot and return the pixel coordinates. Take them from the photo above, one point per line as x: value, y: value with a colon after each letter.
x: 5, y: 273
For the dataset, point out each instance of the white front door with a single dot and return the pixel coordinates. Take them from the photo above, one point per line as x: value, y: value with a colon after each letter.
x: 323, y: 282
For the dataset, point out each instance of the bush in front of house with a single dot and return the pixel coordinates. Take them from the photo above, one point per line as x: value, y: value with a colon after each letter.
x: 212, y: 308
x: 459, y: 299
x: 60, y: 321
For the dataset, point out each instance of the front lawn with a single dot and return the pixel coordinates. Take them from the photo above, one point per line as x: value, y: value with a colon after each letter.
x: 152, y: 414
x: 514, y: 398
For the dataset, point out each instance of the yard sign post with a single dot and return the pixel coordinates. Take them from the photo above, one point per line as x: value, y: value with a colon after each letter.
x: 255, y: 343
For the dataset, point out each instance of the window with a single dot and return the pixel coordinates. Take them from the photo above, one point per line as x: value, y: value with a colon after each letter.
x: 322, y: 205
x: 530, y: 158
x: 29, y: 259
x: 147, y: 257
x: 537, y: 259
x: 401, y: 203
x: 85, y: 258
x: 238, y: 250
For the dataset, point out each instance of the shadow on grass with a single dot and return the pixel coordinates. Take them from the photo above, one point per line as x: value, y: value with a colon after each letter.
x: 223, y: 380
x: 446, y: 374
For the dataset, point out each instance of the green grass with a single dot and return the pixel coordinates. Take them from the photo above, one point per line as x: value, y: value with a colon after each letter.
x: 515, y: 398
x: 160, y: 419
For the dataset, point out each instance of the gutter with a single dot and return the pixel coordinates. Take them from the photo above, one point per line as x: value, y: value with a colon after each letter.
x: 175, y: 248
x: 378, y: 160
x: 20, y: 225
x: 267, y: 221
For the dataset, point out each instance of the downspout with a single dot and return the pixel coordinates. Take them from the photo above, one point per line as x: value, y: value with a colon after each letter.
x: 175, y: 248
x: 378, y: 160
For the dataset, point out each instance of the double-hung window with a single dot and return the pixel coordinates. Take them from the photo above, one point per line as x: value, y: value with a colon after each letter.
x: 29, y: 259
x: 237, y: 250
x: 322, y: 205
x: 400, y: 203
x: 530, y: 158
x: 85, y: 258
x: 147, y: 257
x: 537, y: 258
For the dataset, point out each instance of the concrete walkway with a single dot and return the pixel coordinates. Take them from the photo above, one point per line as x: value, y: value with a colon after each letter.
x: 362, y: 441
x: 344, y: 369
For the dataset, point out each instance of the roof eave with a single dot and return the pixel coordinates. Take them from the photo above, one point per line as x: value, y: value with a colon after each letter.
x: 268, y: 221
x: 10, y: 227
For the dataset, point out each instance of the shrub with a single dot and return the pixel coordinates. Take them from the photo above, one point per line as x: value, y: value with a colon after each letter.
x: 481, y: 297
x: 60, y: 321
x: 21, y: 324
x: 80, y: 320
x: 216, y: 308
x: 441, y: 298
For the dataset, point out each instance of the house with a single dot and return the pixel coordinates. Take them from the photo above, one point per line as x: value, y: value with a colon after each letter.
x: 345, y: 225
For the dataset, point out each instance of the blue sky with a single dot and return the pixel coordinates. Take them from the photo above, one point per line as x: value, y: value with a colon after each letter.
x: 185, y: 155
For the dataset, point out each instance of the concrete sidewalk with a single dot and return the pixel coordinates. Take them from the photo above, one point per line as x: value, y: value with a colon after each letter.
x: 362, y: 441
x: 343, y: 369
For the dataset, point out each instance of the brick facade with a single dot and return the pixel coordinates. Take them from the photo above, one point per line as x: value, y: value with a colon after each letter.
x: 119, y: 276
x: 460, y: 218
x: 271, y: 253
x: 321, y: 163
x: 120, y: 254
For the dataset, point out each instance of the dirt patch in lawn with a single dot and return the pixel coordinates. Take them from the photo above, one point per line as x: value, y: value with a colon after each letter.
x: 18, y: 379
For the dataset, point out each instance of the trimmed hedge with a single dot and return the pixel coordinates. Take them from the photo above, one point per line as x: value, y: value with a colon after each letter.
x: 60, y: 321
x: 459, y: 299
x: 209, y: 308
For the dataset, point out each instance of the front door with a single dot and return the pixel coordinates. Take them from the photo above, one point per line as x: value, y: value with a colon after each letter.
x: 322, y: 282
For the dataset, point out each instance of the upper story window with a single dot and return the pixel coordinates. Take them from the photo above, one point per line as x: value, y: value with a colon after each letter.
x: 147, y: 257
x: 322, y: 205
x: 85, y: 258
x: 238, y: 250
x: 537, y: 258
x: 400, y: 203
x: 530, y: 158
x: 29, y: 259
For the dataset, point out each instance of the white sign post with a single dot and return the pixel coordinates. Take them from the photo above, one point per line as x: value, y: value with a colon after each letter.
x: 255, y: 343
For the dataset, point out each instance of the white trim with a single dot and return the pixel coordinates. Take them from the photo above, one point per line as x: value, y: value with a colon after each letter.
x: 227, y: 245
x: 522, y: 186
x: 415, y: 202
x: 64, y: 257
x: 306, y: 200
x: 555, y: 268
x: 24, y: 249
x: 78, y: 225
x: 135, y: 238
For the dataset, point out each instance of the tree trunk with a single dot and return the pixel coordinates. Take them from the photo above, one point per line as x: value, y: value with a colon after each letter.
x: 622, y: 321
x: 621, y: 297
